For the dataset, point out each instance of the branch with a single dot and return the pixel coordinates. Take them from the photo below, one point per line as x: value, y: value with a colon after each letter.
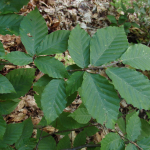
x: 40, y: 138
x: 69, y: 130
x: 95, y: 68
x: 130, y: 141
x: 82, y: 146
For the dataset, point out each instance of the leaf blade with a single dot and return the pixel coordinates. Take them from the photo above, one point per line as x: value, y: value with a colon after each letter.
x: 18, y: 58
x: 51, y: 66
x: 133, y: 86
x: 100, y: 98
x: 10, y: 24
x: 74, y: 82
x: 112, y: 43
x: 21, y: 79
x: 56, y: 42
x: 33, y: 29
x: 133, y: 127
x: 5, y: 85
x: 54, y: 104
x: 79, y: 46
x: 112, y: 141
x: 137, y: 56
x: 11, y: 6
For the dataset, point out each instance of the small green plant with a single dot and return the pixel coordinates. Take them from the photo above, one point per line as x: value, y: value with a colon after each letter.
x: 59, y: 86
x: 123, y: 18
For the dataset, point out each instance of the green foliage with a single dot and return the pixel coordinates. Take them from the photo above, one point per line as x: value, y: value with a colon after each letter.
x: 79, y: 47
x: 56, y: 42
x: 18, y: 58
x: 109, y: 47
x: 112, y: 140
x: 74, y: 82
x: 100, y: 98
x: 10, y: 24
x: 54, y: 104
x: 11, y: 6
x: 21, y: 79
x: 132, y: 86
x: 137, y: 56
x: 51, y: 66
x: 64, y: 143
x: 133, y: 127
x: 33, y: 29
x: 6, y: 86
x: 60, y: 86
x: 123, y: 5
x: 81, y: 115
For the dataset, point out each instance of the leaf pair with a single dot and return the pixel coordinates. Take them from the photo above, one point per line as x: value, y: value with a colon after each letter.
x: 34, y: 35
x: 106, y: 45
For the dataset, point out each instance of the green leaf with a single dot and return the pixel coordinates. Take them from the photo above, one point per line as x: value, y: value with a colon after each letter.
x: 21, y: 79
x: 64, y: 143
x: 18, y: 58
x: 130, y: 113
x: 79, y: 46
x: 112, y: 141
x: 53, y: 99
x: 2, y: 127
x: 7, y: 107
x: 9, y: 24
x: 131, y: 147
x: 107, y: 45
x: 5, y: 85
x: 144, y: 143
x: 71, y: 98
x: 133, y: 127
x: 26, y: 133
x: 2, y: 50
x: 56, y: 42
x: 12, y: 134
x: 39, y: 87
x: 11, y: 6
x: 42, y: 82
x: 100, y: 97
x: 81, y: 115
x: 122, y: 19
x: 74, y: 82
x: 89, y: 131
x: 131, y: 11
x: 80, y: 139
x: 122, y: 125
x: 145, y: 129
x: 133, y: 86
x: 127, y: 25
x: 51, y: 66
x: 123, y: 6
x: 47, y: 143
x: 33, y: 29
x: 112, y: 19
x: 28, y: 145
x: 68, y: 122
x: 137, y: 56
x: 135, y: 24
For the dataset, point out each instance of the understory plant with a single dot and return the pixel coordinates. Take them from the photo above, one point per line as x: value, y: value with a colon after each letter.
x: 101, y: 94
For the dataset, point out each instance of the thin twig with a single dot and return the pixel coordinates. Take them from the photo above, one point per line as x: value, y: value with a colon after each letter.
x: 95, y: 68
x: 40, y: 138
x: 130, y: 141
x: 82, y: 146
x: 69, y: 130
